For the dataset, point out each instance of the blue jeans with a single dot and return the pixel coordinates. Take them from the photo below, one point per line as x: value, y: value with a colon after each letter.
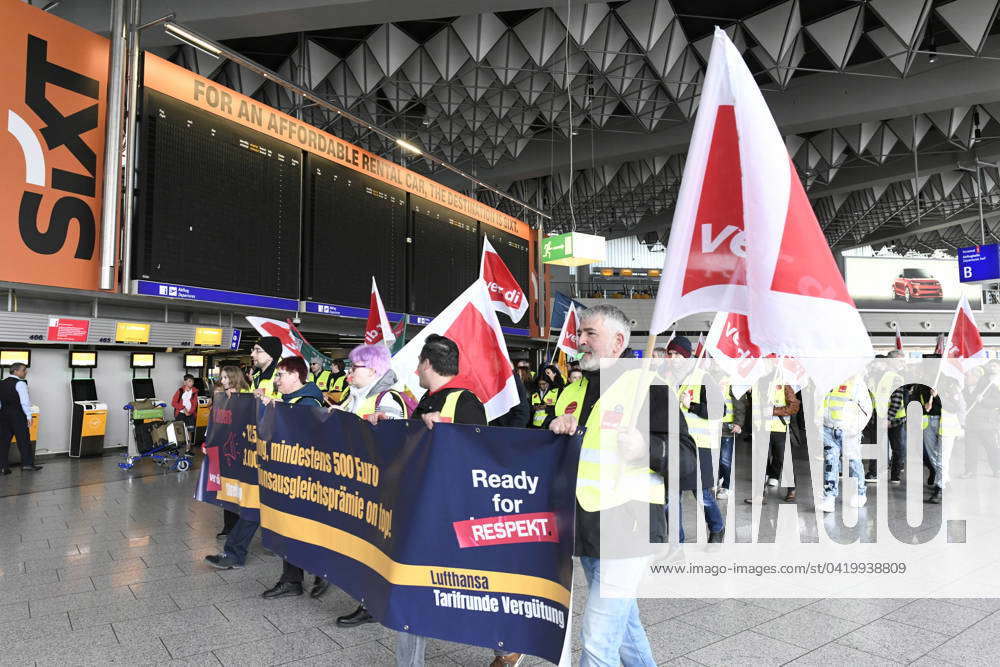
x: 726, y: 459
x: 612, y: 632
x: 932, y: 441
x: 833, y: 447
x: 239, y: 539
x: 713, y: 515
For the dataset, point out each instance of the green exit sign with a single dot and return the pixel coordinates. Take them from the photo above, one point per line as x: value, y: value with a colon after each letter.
x: 573, y: 249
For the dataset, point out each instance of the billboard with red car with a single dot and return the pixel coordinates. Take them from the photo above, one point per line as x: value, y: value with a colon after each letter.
x: 907, y: 283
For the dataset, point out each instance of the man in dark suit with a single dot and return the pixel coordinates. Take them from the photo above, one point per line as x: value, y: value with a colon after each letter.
x: 15, y: 418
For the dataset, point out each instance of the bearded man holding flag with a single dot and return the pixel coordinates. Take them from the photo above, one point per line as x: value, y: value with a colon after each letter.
x: 620, y: 474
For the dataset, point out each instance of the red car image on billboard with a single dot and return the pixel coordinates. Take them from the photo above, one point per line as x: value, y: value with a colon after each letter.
x: 916, y: 285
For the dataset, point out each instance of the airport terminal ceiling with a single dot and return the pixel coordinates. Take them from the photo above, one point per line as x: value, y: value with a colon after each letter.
x: 867, y: 94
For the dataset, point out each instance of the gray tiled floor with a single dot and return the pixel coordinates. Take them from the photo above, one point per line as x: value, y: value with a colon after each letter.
x: 99, y: 566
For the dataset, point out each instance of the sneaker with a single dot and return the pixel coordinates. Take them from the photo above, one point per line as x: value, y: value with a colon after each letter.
x: 859, y: 501
x: 895, y: 480
x: 871, y: 477
x: 722, y: 493
x: 509, y: 660
x: 716, y: 538
x: 223, y: 562
x: 829, y: 504
x: 772, y: 481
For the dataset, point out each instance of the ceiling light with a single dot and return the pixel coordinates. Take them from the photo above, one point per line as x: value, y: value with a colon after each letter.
x: 408, y: 146
x: 192, y: 39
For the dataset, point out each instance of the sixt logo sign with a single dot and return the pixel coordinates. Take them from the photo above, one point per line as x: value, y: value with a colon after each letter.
x: 43, y: 77
x: 52, y: 146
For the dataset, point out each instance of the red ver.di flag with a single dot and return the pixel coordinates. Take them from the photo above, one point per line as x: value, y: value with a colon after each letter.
x: 964, y: 350
x: 290, y: 344
x: 744, y: 237
x: 506, y: 295
x: 377, y: 329
x: 483, y: 363
x: 569, y: 341
x: 731, y: 348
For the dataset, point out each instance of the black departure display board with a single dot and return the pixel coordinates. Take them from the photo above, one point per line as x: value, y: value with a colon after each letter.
x: 355, y: 227
x: 219, y: 204
x: 445, y: 255
x: 513, y: 250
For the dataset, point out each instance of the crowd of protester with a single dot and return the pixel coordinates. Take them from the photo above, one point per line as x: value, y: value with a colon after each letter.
x: 955, y: 417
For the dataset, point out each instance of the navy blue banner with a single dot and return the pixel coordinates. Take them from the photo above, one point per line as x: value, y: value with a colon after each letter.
x: 461, y: 533
x: 560, y: 304
x: 230, y: 477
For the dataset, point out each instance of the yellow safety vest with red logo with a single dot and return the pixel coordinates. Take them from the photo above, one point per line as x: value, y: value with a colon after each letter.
x: 266, y: 384
x: 370, y: 405
x: 603, y: 479
x: 322, y: 380
x: 340, y: 390
x: 571, y: 397
x: 541, y: 406
x: 447, y: 414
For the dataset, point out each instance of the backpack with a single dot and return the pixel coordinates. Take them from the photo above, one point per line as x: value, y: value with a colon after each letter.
x: 404, y: 398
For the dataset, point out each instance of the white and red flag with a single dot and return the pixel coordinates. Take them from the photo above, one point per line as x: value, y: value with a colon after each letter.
x: 377, y: 328
x: 964, y: 349
x: 569, y: 341
x: 940, y: 343
x: 699, y: 350
x: 506, y: 295
x: 291, y: 345
x: 483, y: 363
x: 899, y: 339
x: 732, y: 349
x: 744, y: 237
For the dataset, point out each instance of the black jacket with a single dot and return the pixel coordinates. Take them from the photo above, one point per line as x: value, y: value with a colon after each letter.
x: 519, y: 415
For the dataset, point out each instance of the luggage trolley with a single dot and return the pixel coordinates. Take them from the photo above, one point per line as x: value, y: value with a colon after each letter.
x: 148, y: 434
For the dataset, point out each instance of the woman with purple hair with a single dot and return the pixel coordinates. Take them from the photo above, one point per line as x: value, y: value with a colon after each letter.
x: 373, y: 398
x: 371, y: 379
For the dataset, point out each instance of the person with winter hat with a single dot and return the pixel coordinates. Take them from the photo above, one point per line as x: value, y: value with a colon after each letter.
x: 680, y: 346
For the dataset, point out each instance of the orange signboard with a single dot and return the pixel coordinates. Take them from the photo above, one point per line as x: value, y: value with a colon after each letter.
x: 53, y: 93
x: 206, y: 94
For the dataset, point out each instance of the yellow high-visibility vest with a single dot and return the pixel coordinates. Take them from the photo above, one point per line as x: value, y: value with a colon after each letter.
x: 699, y: 428
x: 370, y: 405
x: 542, y: 406
x: 835, y: 401
x: 340, y: 390
x: 322, y: 380
x: 776, y: 424
x: 617, y: 485
x: 257, y: 382
x: 887, y: 384
x: 571, y: 397
x: 727, y: 398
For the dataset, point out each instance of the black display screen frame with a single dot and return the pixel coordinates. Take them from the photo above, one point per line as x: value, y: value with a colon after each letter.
x: 181, y: 192
x: 343, y: 249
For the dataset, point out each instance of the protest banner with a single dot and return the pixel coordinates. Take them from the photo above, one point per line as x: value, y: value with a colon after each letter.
x: 461, y: 533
